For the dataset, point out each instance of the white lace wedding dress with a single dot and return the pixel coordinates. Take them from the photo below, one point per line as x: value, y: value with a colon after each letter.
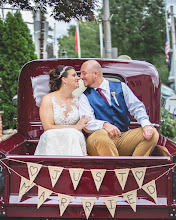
x: 65, y: 141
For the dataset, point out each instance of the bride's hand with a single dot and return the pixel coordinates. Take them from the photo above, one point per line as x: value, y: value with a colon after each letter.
x: 82, y: 123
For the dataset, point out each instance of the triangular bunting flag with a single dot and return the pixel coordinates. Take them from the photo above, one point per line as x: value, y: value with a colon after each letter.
x: 150, y: 188
x: 139, y: 174
x: 88, y: 204
x: 64, y: 200
x: 43, y: 194
x: 55, y: 173
x: 75, y: 174
x: 98, y: 175
x: 25, y: 186
x: 131, y: 198
x: 111, y: 204
x: 33, y: 170
x: 122, y: 175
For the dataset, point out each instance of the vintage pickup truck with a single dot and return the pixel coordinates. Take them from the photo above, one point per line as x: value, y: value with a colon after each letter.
x: 85, y: 187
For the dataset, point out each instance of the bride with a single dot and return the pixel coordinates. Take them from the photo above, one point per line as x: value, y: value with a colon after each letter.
x: 60, y: 118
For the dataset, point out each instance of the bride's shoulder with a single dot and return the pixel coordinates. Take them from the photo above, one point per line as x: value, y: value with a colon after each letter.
x: 47, y: 98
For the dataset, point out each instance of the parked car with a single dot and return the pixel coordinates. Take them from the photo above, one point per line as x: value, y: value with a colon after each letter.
x: 166, y: 91
x: 108, y: 187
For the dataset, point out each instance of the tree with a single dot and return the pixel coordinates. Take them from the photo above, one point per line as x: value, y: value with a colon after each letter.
x: 138, y: 30
x: 61, y: 9
x: 89, y: 40
x: 16, y: 49
x: 2, y: 27
x: 159, y: 62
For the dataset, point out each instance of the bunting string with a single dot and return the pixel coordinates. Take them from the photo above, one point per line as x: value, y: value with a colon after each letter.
x: 9, y: 168
x: 64, y: 200
x: 158, y: 166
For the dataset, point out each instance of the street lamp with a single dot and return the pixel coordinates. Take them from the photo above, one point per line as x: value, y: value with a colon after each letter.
x: 64, y: 54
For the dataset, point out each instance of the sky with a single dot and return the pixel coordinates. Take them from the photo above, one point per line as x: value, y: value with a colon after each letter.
x: 61, y: 27
x: 171, y: 2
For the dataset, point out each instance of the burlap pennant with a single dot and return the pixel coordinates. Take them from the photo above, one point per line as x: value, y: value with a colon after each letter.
x: 131, y: 198
x: 111, y: 203
x: 75, y: 174
x: 33, y: 170
x: 64, y: 200
x: 25, y: 186
x: 139, y: 174
x: 55, y: 173
x: 150, y: 189
x: 43, y: 194
x: 88, y: 204
x: 122, y: 175
x: 98, y: 175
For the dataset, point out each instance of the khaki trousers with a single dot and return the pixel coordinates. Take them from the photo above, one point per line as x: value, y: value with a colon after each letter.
x: 130, y: 143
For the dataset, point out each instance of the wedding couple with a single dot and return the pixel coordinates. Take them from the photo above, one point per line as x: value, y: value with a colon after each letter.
x: 102, y: 111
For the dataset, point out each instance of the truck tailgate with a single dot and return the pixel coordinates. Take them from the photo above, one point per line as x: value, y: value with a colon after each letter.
x: 156, y: 169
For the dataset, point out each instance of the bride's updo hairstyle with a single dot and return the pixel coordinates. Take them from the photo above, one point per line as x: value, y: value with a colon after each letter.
x: 56, y: 75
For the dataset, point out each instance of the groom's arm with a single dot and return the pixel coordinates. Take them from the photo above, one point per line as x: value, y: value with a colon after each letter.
x: 85, y: 109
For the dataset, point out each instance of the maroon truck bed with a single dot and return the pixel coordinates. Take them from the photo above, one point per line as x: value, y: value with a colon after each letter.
x: 111, y: 200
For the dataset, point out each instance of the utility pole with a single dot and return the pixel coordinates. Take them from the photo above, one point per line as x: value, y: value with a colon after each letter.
x: 42, y: 31
x: 55, y: 46
x: 173, y: 43
x: 40, y: 34
x: 2, y: 13
x: 107, y: 29
x: 101, y: 38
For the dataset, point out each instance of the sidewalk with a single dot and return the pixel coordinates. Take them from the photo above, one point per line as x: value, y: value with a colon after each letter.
x: 7, y: 133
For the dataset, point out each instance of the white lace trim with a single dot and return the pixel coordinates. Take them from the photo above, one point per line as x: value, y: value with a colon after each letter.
x: 61, y: 116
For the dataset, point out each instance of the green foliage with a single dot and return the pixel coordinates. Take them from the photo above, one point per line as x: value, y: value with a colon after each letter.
x: 160, y: 63
x: 67, y: 43
x: 138, y: 30
x: 138, y: 27
x: 89, y: 40
x: 16, y: 49
x: 2, y: 27
x: 168, y: 127
x: 61, y: 9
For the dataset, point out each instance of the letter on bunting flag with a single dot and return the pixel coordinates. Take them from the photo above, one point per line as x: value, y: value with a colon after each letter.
x: 98, y: 175
x: 111, y: 203
x: 43, y: 194
x: 88, y: 204
x: 131, y: 198
x: 150, y: 189
x: 122, y: 175
x: 75, y: 174
x: 64, y: 200
x: 55, y: 173
x: 25, y: 186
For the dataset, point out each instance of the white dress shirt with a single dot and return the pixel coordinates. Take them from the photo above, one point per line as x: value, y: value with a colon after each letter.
x: 134, y: 105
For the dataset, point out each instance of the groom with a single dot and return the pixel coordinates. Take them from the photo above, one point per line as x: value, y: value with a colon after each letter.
x: 108, y: 104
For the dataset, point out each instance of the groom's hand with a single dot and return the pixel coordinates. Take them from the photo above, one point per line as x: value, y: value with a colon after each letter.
x: 147, y: 132
x: 112, y: 130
